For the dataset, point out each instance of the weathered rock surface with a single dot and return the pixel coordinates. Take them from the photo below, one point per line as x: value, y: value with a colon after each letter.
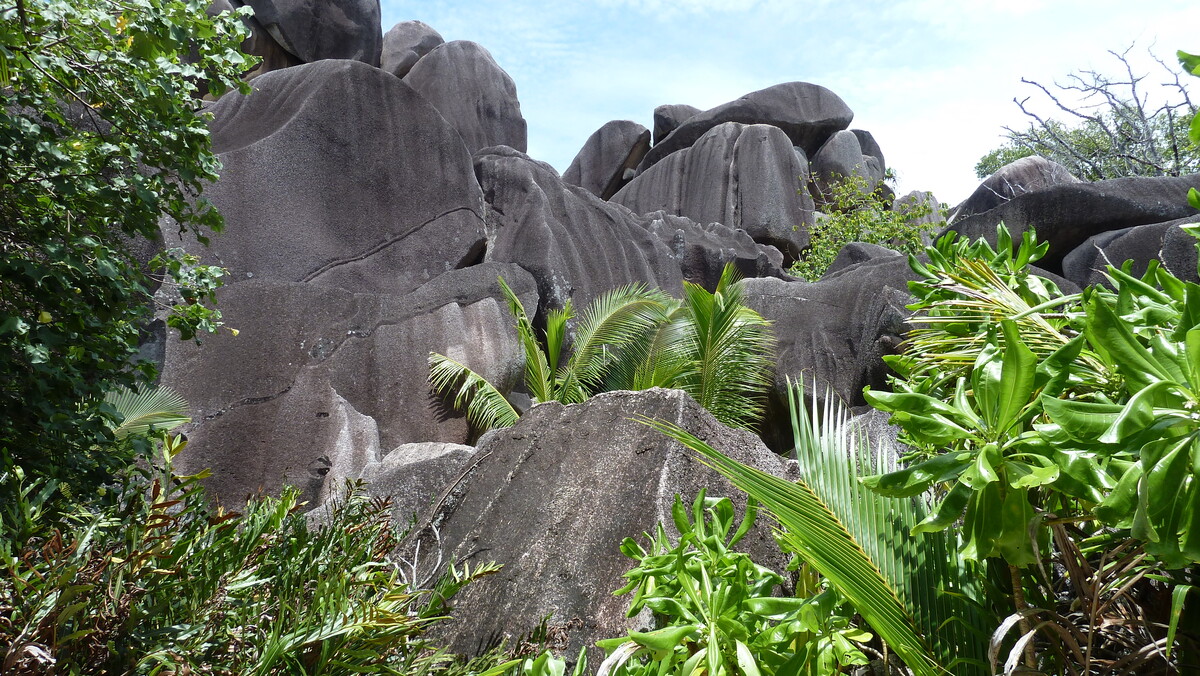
x: 809, y: 114
x: 668, y: 117
x: 413, y: 475
x: 1067, y: 214
x: 473, y: 93
x: 1175, y: 249
x: 842, y: 156
x: 405, y: 44
x: 703, y: 250
x: 743, y: 176
x: 608, y: 158
x: 870, y: 147
x: 338, y: 174
x: 313, y: 30
x: 552, y: 498
x: 1028, y: 174
x: 576, y: 245
x: 832, y: 334
x: 319, y: 379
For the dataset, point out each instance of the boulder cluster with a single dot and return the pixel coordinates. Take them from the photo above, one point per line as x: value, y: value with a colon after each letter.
x: 375, y: 187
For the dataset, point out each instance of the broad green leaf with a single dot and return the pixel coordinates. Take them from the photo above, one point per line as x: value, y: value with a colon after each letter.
x: 1137, y: 414
x: 664, y: 639
x: 1017, y: 378
x: 1107, y: 331
x: 948, y: 511
x: 1082, y: 420
x: 915, y: 480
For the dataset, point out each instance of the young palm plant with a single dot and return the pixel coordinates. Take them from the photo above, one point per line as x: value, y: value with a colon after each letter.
x: 709, y: 345
x: 909, y: 587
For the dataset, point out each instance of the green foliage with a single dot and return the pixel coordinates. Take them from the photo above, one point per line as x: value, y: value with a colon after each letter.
x: 917, y: 597
x: 158, y: 583
x: 1001, y: 157
x: 100, y: 139
x: 860, y: 212
x: 1028, y: 410
x: 1114, y: 130
x: 715, y: 608
x: 710, y: 345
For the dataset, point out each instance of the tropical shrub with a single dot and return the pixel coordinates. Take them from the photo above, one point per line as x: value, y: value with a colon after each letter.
x: 924, y: 603
x: 859, y: 212
x: 709, y: 345
x: 716, y: 608
x: 159, y: 583
x: 101, y: 138
x: 1055, y: 431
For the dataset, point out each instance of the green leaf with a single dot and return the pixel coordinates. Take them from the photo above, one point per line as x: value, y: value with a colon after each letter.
x: 1082, y: 420
x: 665, y: 639
x: 1108, y: 332
x: 915, y: 480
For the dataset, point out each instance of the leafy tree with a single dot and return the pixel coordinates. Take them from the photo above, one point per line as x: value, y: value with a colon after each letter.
x: 1113, y: 128
x: 858, y: 212
x: 710, y: 346
x: 101, y: 138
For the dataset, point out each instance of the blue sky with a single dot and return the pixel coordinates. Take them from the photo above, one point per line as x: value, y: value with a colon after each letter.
x: 932, y: 80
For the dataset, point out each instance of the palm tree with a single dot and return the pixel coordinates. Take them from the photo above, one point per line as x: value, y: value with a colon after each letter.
x: 709, y: 345
x: 911, y: 588
x: 158, y: 408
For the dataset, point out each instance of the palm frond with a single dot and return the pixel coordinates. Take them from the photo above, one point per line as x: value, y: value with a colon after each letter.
x: 155, y: 407
x: 486, y: 408
x: 908, y: 587
x: 648, y: 361
x: 730, y: 352
x: 612, y: 321
x: 539, y: 378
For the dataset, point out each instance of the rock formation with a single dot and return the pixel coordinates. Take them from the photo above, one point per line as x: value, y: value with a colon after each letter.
x: 743, y: 176
x: 475, y: 95
x: 553, y: 497
x: 405, y: 44
x: 807, y: 113
x: 608, y: 158
x: 370, y: 212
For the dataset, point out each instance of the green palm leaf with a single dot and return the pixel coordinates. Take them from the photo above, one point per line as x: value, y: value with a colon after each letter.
x: 613, y: 321
x: 649, y: 360
x: 909, y: 588
x: 156, y: 407
x: 539, y: 378
x: 729, y: 350
x: 486, y: 407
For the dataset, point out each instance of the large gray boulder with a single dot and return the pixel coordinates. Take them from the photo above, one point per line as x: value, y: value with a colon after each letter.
x: 809, y: 114
x: 870, y: 147
x: 320, y: 380
x: 551, y: 499
x: 405, y: 44
x: 1166, y: 242
x: 412, y: 476
x: 313, y: 30
x: 608, y: 158
x: 1028, y: 174
x: 842, y: 156
x: 832, y: 334
x: 576, y: 245
x: 1067, y: 214
x: 743, y: 176
x: 337, y: 173
x: 668, y: 117
x: 473, y: 93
